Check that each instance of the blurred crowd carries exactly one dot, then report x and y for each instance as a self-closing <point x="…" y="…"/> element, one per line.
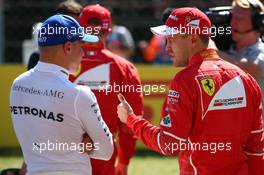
<point x="107" y="59"/>
<point x="130" y="24"/>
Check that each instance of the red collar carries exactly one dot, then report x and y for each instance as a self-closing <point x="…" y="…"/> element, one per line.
<point x="206" y="54"/>
<point x="90" y="53"/>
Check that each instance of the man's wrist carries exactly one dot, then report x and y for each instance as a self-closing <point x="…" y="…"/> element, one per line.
<point x="122" y="162"/>
<point x="130" y="118"/>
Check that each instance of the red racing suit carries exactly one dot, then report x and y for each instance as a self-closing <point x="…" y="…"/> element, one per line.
<point x="211" y="118"/>
<point x="107" y="74"/>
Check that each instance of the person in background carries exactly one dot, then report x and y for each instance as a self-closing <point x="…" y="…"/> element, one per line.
<point x="247" y="52"/>
<point x="67" y="7"/>
<point x="154" y="51"/>
<point x="106" y="73"/>
<point x="121" y="42"/>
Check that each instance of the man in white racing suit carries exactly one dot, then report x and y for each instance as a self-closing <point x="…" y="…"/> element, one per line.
<point x="58" y="124"/>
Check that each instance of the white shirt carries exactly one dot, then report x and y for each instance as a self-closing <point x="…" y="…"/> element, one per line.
<point x="50" y="114"/>
<point x="253" y="53"/>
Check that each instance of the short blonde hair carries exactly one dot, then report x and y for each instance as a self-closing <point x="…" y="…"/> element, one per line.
<point x="246" y="4"/>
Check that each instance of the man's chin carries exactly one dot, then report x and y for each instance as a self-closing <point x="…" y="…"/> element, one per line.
<point x="176" y="63"/>
<point x="235" y="37"/>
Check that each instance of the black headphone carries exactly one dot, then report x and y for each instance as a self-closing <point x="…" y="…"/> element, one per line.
<point x="257" y="16"/>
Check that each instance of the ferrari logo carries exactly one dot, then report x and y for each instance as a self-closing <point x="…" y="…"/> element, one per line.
<point x="208" y="86"/>
<point x="187" y="20"/>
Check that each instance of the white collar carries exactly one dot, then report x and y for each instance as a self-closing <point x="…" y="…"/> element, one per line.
<point x="53" y="68"/>
<point x="253" y="47"/>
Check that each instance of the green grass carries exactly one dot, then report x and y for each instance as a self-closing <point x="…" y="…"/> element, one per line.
<point x="153" y="166"/>
<point x="143" y="163"/>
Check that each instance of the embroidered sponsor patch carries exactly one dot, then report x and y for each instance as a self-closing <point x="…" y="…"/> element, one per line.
<point x="97" y="78"/>
<point x="228" y="101"/>
<point x="173" y="17"/>
<point x="194" y="23"/>
<point x="166" y="121"/>
<point x="174" y="94"/>
<point x="187" y="20"/>
<point x="230" y="96"/>
<point x="172" y="100"/>
<point x="167" y="109"/>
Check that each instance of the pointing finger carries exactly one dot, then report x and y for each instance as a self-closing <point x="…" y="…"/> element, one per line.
<point x="121" y="98"/>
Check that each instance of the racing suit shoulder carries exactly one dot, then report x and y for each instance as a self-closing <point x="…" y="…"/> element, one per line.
<point x="120" y="61"/>
<point x="186" y="76"/>
<point x="22" y="77"/>
<point x="86" y="92"/>
<point x="128" y="75"/>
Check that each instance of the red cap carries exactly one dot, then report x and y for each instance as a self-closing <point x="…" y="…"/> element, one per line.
<point x="184" y="21"/>
<point x="98" y="12"/>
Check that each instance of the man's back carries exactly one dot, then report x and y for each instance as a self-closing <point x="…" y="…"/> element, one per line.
<point x="107" y="74"/>
<point x="48" y="122"/>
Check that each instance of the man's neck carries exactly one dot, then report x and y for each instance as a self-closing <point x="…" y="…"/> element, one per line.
<point x="246" y="43"/>
<point x="196" y="50"/>
<point x="55" y="61"/>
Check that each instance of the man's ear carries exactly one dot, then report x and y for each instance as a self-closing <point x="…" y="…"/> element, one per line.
<point x="195" y="39"/>
<point x="67" y="47"/>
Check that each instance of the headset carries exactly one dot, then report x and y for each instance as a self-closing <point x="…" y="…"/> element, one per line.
<point x="257" y="16"/>
<point x="221" y="16"/>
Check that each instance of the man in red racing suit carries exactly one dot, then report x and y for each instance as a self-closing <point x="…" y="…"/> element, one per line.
<point x="212" y="115"/>
<point x="107" y="74"/>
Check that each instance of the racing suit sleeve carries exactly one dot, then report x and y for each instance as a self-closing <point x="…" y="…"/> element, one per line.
<point x="175" y="123"/>
<point x="126" y="144"/>
<point x="254" y="148"/>
<point x="88" y="112"/>
<point x="126" y="138"/>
